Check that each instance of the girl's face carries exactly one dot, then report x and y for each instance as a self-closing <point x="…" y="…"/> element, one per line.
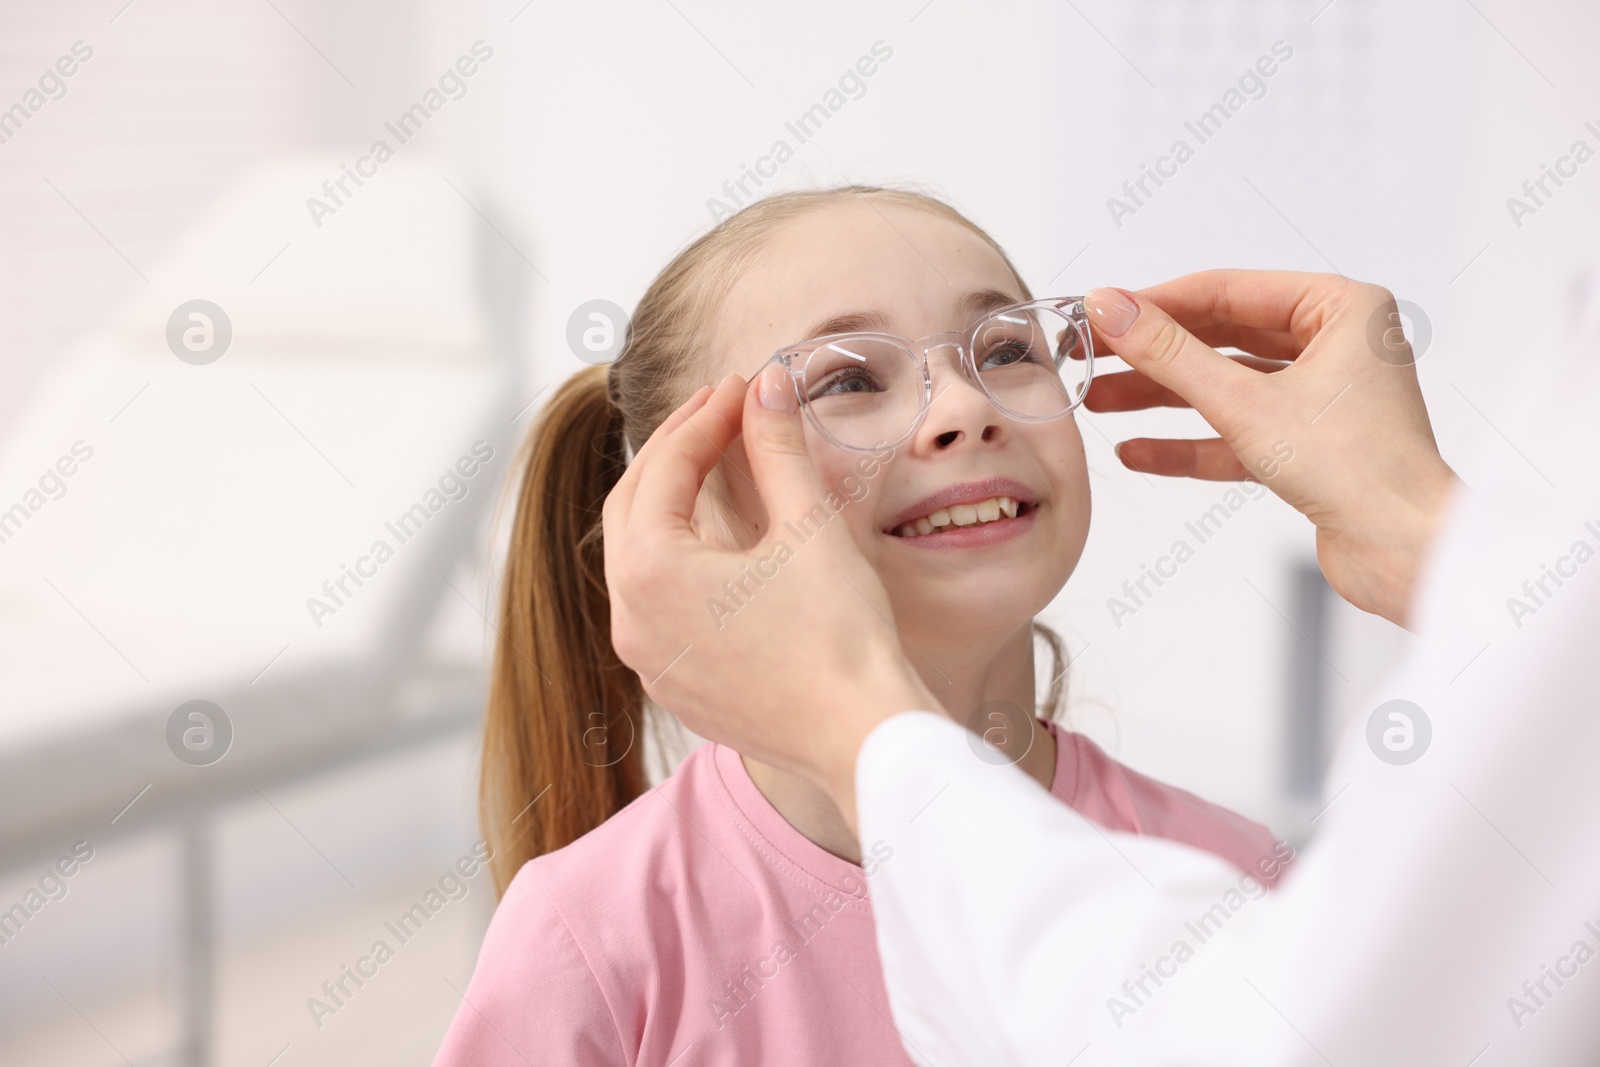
<point x="918" y="273"/>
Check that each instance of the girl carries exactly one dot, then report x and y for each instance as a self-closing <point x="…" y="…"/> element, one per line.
<point x="723" y="916"/>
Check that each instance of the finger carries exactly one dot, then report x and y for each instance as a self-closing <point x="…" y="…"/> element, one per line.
<point x="620" y="500"/>
<point x="1151" y="342"/>
<point x="1283" y="300"/>
<point x="673" y="421"/>
<point x="1268" y="344"/>
<point x="1209" y="460"/>
<point x="1131" y="391"/>
<point x="775" y="442"/>
<point x="669" y="484"/>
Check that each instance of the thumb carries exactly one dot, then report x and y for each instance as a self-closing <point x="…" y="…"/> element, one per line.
<point x="1152" y="343"/>
<point x="775" y="443"/>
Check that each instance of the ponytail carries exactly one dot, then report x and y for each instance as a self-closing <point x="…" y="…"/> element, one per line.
<point x="562" y="745"/>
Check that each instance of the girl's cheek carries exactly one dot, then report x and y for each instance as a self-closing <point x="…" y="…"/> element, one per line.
<point x="1064" y="455"/>
<point x="855" y="497"/>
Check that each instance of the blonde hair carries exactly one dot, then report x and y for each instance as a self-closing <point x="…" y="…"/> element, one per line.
<point x="563" y="732"/>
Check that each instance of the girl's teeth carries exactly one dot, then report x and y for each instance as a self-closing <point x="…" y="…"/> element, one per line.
<point x="961" y="515"/>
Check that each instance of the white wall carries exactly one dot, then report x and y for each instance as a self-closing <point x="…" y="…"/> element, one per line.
<point x="1385" y="148"/>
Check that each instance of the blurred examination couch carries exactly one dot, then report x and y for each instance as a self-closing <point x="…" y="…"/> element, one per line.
<point x="208" y="505"/>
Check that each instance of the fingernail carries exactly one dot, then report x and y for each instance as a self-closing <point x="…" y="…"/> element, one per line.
<point x="1111" y="310"/>
<point x="775" y="391"/>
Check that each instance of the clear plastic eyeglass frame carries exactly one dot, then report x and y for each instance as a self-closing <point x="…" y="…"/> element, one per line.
<point x="794" y="357"/>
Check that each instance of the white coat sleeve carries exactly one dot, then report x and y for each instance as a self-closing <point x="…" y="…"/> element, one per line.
<point x="1448" y="910"/>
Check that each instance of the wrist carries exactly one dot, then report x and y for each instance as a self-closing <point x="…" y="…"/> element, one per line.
<point x="899" y="690"/>
<point x="1427" y="520"/>
<point x="1385" y="564"/>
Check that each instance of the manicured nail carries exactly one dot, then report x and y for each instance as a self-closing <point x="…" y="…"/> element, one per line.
<point x="775" y="391"/>
<point x="1111" y="310"/>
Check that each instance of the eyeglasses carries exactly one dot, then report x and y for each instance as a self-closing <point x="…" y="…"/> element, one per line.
<point x="866" y="392"/>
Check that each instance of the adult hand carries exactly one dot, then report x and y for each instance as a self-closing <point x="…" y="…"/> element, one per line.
<point x="1330" y="382"/>
<point x="819" y="662"/>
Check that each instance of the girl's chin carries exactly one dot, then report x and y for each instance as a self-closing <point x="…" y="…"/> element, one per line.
<point x="936" y="616"/>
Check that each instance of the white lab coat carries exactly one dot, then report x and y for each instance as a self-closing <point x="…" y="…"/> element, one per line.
<point x="1448" y="910"/>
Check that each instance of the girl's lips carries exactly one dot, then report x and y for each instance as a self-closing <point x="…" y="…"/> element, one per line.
<point x="964" y="493"/>
<point x="977" y="535"/>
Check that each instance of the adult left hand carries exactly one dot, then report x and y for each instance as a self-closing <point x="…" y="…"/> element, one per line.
<point x="1365" y="468"/>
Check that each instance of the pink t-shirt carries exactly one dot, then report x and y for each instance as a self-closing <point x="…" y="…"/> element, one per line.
<point x="697" y="927"/>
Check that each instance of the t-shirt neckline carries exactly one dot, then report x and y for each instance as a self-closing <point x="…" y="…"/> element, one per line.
<point x="782" y="844"/>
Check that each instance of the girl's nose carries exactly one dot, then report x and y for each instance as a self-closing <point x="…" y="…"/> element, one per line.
<point x="958" y="407"/>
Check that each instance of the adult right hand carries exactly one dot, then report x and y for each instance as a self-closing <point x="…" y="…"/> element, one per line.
<point x="812" y="661"/>
<point x="1329" y="377"/>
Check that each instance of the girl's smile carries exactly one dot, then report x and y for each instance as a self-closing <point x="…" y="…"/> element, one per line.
<point x="976" y="535"/>
<point x="968" y="515"/>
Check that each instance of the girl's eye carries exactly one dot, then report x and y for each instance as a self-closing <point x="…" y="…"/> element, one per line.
<point x="844" y="382"/>
<point x="1006" y="354"/>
